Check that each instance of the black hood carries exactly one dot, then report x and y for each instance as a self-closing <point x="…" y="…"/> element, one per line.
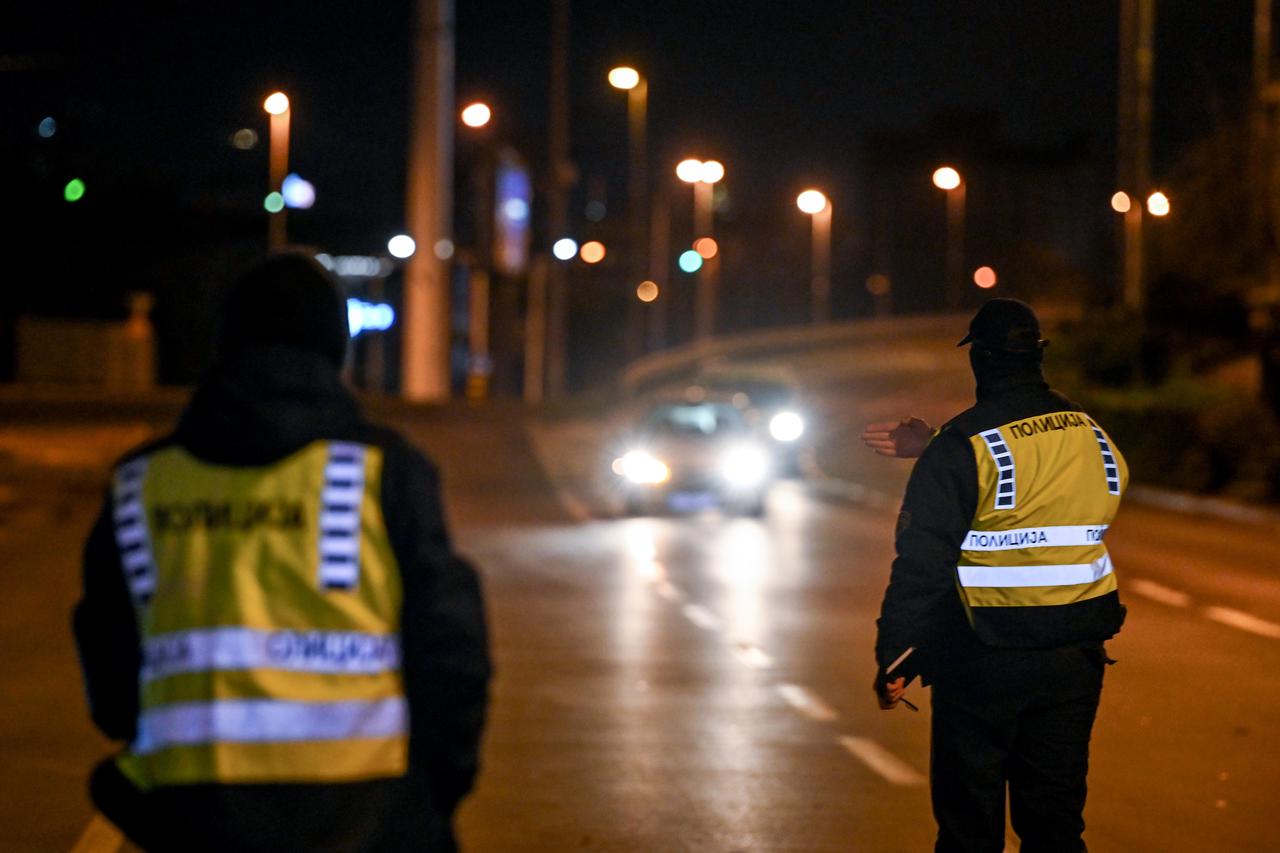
<point x="262" y="403"/>
<point x="1003" y="373"/>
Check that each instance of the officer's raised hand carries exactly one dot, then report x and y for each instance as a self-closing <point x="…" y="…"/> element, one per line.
<point x="905" y="439"/>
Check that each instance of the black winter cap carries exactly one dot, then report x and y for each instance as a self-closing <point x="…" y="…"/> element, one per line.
<point x="1005" y="325"/>
<point x="287" y="299"/>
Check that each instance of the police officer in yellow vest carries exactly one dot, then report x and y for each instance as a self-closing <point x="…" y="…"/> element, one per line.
<point x="273" y="619"/>
<point x="1002" y="593"/>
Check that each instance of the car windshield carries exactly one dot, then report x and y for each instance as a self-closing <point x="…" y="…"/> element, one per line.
<point x="766" y="393"/>
<point x="695" y="419"/>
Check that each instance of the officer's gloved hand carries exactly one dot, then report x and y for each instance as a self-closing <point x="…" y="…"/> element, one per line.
<point x="888" y="693"/>
<point x="904" y="439"/>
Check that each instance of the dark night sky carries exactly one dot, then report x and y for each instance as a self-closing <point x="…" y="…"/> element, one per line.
<point x="785" y="94"/>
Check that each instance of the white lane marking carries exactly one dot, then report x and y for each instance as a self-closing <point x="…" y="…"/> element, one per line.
<point x="98" y="837"/>
<point x="669" y="592"/>
<point x="753" y="656"/>
<point x="1158" y="592"/>
<point x="807" y="702"/>
<point x="892" y="769"/>
<point x="1243" y="621"/>
<point x="702" y="617"/>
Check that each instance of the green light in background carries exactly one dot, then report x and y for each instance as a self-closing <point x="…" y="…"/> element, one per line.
<point x="690" y="261"/>
<point x="74" y="190"/>
<point x="274" y="202"/>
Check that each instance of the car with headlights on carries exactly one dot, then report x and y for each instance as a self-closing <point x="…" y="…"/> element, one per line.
<point x="769" y="400"/>
<point x="688" y="455"/>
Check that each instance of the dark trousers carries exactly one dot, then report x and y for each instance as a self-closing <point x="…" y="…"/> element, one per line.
<point x="1015" y="720"/>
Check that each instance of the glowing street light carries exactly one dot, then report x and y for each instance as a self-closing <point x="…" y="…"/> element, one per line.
<point x="1158" y="204"/>
<point x="592" y="252"/>
<point x="277" y="103"/>
<point x="624" y="77"/>
<point x="704" y="175"/>
<point x="815" y="203"/>
<point x="476" y="114"/>
<point x="689" y="171"/>
<point x="278" y="107"/>
<point x="566" y="248"/>
<point x="1120" y="202"/>
<point x="712" y="171"/>
<point x="948" y="180"/>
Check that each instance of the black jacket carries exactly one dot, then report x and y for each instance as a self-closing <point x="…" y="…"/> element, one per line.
<point x="257" y="407"/>
<point x="922" y="607"/>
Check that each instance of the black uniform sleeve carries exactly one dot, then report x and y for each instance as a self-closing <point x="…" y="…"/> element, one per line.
<point x="443" y="631"/>
<point x="106" y="634"/>
<point x="937" y="510"/>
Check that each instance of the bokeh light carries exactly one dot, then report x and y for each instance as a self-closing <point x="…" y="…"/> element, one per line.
<point x="273" y="203"/>
<point x="244" y="139"/>
<point x="47" y="127"/>
<point x="592" y="252"/>
<point x="878" y="284"/>
<point x="647" y="291"/>
<point x="402" y="246"/>
<point x="476" y="115"/>
<point x="276" y="103"/>
<point x="690" y="261"/>
<point x="1121" y="203"/>
<point x="712" y="171"/>
<point x="811" y="201"/>
<point x="443" y="249"/>
<point x="74" y="190"/>
<point x="707" y="247"/>
<point x="298" y="192"/>
<point x="1158" y="204"/>
<point x="565" y="248"/>
<point x="946" y="178"/>
<point x="689" y="171"/>
<point x="984" y="277"/>
<point x="624" y="77"/>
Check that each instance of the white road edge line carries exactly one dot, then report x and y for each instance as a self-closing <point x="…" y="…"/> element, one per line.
<point x="1158" y="592"/>
<point x="892" y="769"/>
<point x="98" y="837"/>
<point x="807" y="703"/>
<point x="1243" y="621"/>
<point x="701" y="616"/>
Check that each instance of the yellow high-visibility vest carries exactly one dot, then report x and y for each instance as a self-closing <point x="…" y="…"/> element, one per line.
<point x="268" y="605"/>
<point x="1048" y="488"/>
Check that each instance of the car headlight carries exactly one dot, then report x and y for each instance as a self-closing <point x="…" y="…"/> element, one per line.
<point x="786" y="426"/>
<point x="745" y="466"/>
<point x="641" y="468"/>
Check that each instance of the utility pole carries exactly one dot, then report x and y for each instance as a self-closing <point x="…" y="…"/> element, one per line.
<point x="557" y="198"/>
<point x="1137" y="70"/>
<point x="428" y="207"/>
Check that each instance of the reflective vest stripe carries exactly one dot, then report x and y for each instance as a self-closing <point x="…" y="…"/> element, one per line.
<point x="340" y="516"/>
<point x="1006" y="486"/>
<point x="1109" y="466"/>
<point x="1034" y="537"/>
<point x="131" y="530"/>
<point x="1011" y="576"/>
<point x="267" y="721"/>
<point x="235" y="648"/>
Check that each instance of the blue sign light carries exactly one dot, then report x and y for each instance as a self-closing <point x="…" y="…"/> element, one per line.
<point x="369" y="316"/>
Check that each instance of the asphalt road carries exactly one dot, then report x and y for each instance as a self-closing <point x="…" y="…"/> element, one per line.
<point x="703" y="683"/>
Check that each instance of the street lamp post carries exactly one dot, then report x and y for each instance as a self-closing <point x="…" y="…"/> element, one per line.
<point x="278" y="108"/>
<point x="818" y="206"/>
<point x="948" y="179"/>
<point x="704" y="175"/>
<point x="637" y="88"/>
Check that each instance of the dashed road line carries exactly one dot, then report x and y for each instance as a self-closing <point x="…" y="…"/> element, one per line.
<point x="1158" y="592"/>
<point x="1243" y="621"/>
<point x="98" y="837"/>
<point x="884" y="763"/>
<point x="701" y="616"/>
<point x="807" y="702"/>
